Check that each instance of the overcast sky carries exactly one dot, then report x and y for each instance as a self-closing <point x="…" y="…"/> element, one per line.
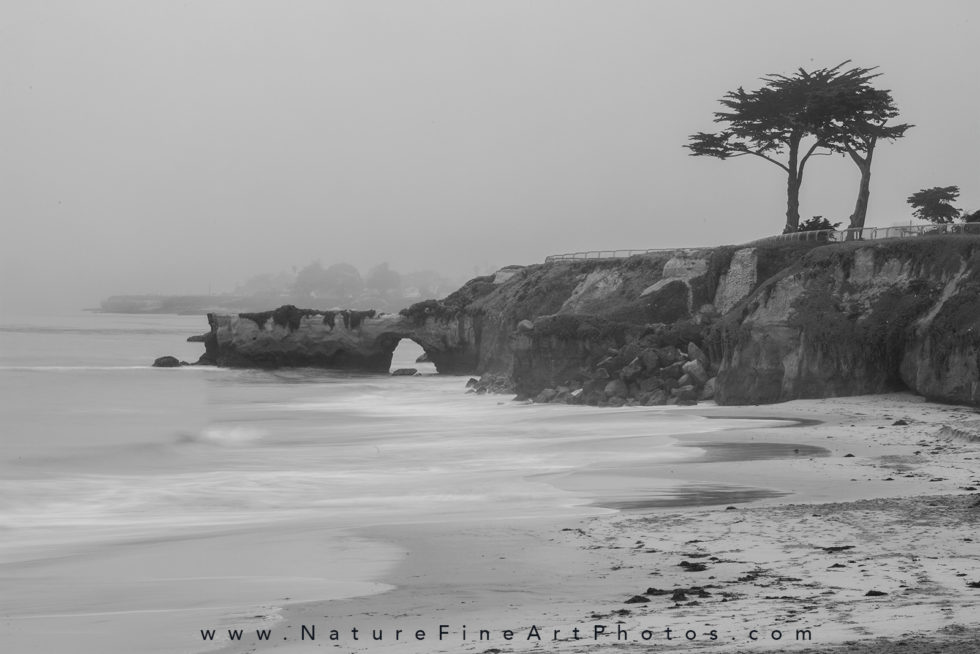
<point x="175" y="146"/>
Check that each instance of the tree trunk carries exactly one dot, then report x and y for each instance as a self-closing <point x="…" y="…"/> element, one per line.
<point x="864" y="188"/>
<point x="864" y="194"/>
<point x="792" y="205"/>
<point x="793" y="183"/>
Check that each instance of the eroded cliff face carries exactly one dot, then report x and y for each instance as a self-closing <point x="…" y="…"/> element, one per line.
<point x="859" y="318"/>
<point x="766" y="324"/>
<point x="346" y="340"/>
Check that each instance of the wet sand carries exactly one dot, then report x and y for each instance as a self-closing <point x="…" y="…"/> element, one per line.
<point x="788" y="539"/>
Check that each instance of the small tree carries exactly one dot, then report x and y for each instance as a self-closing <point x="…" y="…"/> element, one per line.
<point x="935" y="204"/>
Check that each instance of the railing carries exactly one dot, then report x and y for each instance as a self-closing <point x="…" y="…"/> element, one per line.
<point x="872" y="233"/>
<point x="823" y="235"/>
<point x="602" y="254"/>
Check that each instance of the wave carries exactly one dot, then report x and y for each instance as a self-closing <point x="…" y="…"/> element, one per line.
<point x="237" y="435"/>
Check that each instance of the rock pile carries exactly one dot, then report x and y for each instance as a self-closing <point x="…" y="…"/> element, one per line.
<point x="634" y="375"/>
<point x="490" y="383"/>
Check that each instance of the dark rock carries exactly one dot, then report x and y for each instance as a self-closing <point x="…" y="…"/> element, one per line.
<point x="422" y="358"/>
<point x="631" y="371"/>
<point x="694" y="353"/>
<point x="679" y="595"/>
<point x="649" y="384"/>
<point x="656" y="398"/>
<point x="848" y="456"/>
<point x="650" y="359"/>
<point x="404" y="372"/>
<point x="696" y="371"/>
<point x="899" y="423"/>
<point x="685" y="393"/>
<point x="472" y="382"/>
<point x="669" y="355"/>
<point x="616" y="388"/>
<point x="673" y="371"/>
<point x="637" y="599"/>
<point x="656" y="591"/>
<point x="547" y="395"/>
<point x="197" y="338"/>
<point x="166" y="362"/>
<point x="693" y="567"/>
<point x="875" y="593"/>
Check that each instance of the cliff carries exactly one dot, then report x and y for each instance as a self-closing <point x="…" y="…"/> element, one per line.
<point x="743" y="324"/>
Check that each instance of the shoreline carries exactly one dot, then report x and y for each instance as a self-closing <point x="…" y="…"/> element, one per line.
<point x="894" y="515"/>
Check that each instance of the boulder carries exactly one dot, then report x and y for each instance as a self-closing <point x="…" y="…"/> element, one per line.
<point x="650" y="384"/>
<point x="656" y="398"/>
<point x="632" y="370"/>
<point x="694" y="353"/>
<point x="685" y="394"/>
<point x="616" y="388"/>
<point x="404" y="372"/>
<point x="422" y="358"/>
<point x="673" y="371"/>
<point x="650" y="359"/>
<point x="166" y="362"/>
<point x="696" y="370"/>
<point x="708" y="392"/>
<point x="668" y="355"/>
<point x="547" y="395"/>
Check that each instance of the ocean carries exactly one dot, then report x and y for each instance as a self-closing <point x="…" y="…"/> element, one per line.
<point x="142" y="500"/>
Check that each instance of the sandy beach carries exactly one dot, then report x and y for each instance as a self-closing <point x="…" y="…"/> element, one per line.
<point x="851" y="526"/>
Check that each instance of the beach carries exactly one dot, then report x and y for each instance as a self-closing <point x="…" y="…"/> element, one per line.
<point x="208" y="509"/>
<point x="867" y="536"/>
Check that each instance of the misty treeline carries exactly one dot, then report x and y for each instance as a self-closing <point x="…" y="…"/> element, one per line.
<point x="343" y="285"/>
<point x="792" y="118"/>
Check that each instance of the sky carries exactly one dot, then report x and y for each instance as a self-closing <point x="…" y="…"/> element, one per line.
<point x="181" y="147"/>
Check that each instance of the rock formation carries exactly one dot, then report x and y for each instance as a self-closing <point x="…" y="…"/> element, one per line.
<point x="746" y="325"/>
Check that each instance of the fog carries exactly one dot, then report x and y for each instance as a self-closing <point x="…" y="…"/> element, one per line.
<point x="182" y="147"/>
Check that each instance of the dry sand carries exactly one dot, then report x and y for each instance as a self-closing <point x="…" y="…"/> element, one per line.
<point x="898" y="519"/>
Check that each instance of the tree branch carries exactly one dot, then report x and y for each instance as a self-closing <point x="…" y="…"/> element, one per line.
<point x="806" y="157"/>
<point x="769" y="159"/>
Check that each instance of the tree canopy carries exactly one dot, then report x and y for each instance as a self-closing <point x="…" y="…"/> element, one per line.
<point x="852" y="116"/>
<point x="792" y="118"/>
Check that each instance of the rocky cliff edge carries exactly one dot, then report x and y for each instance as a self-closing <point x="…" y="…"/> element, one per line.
<point x="762" y="324"/>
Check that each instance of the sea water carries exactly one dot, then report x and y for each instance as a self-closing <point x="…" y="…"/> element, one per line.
<point x="127" y="490"/>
